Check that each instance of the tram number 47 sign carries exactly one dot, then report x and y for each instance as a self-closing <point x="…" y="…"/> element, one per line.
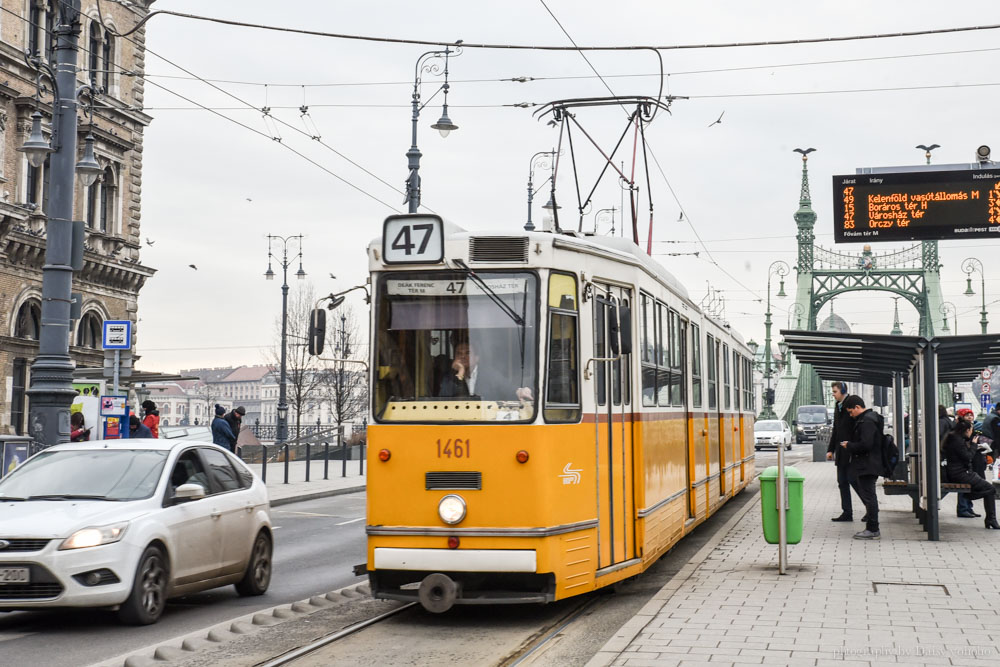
<point x="413" y="239"/>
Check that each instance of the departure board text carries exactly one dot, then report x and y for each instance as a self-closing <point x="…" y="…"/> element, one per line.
<point x="904" y="206"/>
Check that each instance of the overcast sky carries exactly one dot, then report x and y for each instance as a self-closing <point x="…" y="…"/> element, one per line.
<point x="213" y="190"/>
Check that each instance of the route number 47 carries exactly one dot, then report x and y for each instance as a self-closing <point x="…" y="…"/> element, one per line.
<point x="413" y="239"/>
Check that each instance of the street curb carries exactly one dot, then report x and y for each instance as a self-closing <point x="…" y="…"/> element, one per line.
<point x="317" y="494"/>
<point x="186" y="646"/>
<point x="631" y="629"/>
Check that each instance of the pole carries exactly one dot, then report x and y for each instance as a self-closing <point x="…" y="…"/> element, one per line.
<point x="51" y="392"/>
<point x="982" y="291"/>
<point x="118" y="361"/>
<point x="413" y="155"/>
<point x="282" y="433"/>
<point x="782" y="509"/>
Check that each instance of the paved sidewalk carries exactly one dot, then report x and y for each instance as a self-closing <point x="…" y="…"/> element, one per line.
<point x="899" y="600"/>
<point x="298" y="489"/>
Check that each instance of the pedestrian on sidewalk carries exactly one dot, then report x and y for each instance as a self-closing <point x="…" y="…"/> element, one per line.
<point x="136" y="429"/>
<point x="843" y="429"/>
<point x="958" y="449"/>
<point x="222" y="435"/>
<point x="235" y="420"/>
<point x="865" y="449"/>
<point x="964" y="507"/>
<point x="151" y="417"/>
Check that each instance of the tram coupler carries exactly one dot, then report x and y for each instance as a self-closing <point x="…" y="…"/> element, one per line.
<point x="438" y="592"/>
<point x="361" y="570"/>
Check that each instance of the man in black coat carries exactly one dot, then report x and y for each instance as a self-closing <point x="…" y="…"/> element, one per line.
<point x="865" y="449"/>
<point x="843" y="429"/>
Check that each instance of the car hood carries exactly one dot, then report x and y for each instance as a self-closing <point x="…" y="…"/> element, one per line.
<point x="61" y="518"/>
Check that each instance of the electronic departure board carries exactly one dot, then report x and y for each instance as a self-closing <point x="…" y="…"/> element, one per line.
<point x="913" y="205"/>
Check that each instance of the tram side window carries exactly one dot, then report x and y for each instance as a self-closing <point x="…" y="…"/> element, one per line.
<point x="562" y="393"/>
<point x="663" y="341"/>
<point x="648" y="351"/>
<point x="696" y="365"/>
<point x="677" y="341"/>
<point x="737" y="385"/>
<point x="623" y="373"/>
<point x="747" y="385"/>
<point x="713" y="378"/>
<point x="727" y="403"/>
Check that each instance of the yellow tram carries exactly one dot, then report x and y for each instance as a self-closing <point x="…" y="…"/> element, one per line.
<point x="551" y="412"/>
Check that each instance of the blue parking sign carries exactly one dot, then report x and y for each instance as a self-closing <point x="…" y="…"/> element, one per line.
<point x="984" y="401"/>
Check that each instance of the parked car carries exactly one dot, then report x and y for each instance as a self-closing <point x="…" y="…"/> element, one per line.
<point x="772" y="433"/>
<point x="128" y="524"/>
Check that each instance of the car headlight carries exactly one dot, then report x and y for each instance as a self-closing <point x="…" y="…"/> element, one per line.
<point x="799" y="429"/>
<point x="451" y="509"/>
<point x="94" y="536"/>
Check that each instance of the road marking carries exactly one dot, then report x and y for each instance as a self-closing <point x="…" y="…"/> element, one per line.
<point x="344" y="523"/>
<point x="275" y="527"/>
<point x="330" y="516"/>
<point x="10" y="636"/>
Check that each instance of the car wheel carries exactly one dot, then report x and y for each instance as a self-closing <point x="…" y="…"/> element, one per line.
<point x="148" y="598"/>
<point x="788" y="447"/>
<point x="258" y="575"/>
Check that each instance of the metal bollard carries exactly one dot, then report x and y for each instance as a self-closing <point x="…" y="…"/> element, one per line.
<point x="263" y="464"/>
<point x="326" y="460"/>
<point x="287" y="456"/>
<point x="343" y="456"/>
<point x="361" y="461"/>
<point x="307" y="461"/>
<point x="239" y="453"/>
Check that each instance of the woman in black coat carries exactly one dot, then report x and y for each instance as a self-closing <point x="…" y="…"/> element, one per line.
<point x="958" y="450"/>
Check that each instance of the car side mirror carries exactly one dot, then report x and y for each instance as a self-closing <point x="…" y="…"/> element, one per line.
<point x="795" y="422"/>
<point x="317" y="331"/>
<point x="185" y="493"/>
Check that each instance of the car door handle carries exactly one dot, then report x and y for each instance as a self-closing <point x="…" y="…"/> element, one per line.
<point x="249" y="507"/>
<point x="215" y="514"/>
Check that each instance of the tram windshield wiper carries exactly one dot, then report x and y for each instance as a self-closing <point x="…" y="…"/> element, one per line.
<point x="501" y="304"/>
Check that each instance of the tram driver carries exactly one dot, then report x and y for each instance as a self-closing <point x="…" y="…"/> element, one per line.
<point x="464" y="379"/>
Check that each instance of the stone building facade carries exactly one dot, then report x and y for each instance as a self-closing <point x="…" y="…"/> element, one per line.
<point x="113" y="274"/>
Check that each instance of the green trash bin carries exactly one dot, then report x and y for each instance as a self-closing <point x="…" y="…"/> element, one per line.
<point x="769" y="504"/>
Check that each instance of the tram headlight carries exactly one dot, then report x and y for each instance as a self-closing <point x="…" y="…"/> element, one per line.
<point x="451" y="509"/>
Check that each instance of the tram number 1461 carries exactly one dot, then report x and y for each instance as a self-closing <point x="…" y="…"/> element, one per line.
<point x="457" y="448"/>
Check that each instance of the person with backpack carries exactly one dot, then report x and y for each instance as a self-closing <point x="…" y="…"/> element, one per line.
<point x="843" y="428"/>
<point x="866" y="462"/>
<point x="958" y="449"/>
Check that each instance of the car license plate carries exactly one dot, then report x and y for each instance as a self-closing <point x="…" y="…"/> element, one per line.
<point x="14" y="575"/>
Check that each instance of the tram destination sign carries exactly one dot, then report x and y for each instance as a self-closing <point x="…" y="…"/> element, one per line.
<point x="902" y="206"/>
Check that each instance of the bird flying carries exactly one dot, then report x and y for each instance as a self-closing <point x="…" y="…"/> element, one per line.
<point x="718" y="121"/>
<point x="149" y="241"/>
<point x="803" y="152"/>
<point x="193" y="267"/>
<point x="928" y="148"/>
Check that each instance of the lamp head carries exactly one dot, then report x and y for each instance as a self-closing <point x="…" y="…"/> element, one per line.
<point x="444" y="124"/>
<point x="983" y="153"/>
<point x="88" y="167"/>
<point x="270" y="274"/>
<point x="37" y="146"/>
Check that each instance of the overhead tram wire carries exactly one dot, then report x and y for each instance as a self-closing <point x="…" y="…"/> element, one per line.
<point x="251" y="106"/>
<point x="540" y="47"/>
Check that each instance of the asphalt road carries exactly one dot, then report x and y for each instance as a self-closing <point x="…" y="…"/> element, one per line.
<point x="317" y="545"/>
<point x="769" y="457"/>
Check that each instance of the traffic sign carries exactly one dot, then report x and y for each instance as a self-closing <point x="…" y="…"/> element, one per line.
<point x="117" y="335"/>
<point x="987" y="374"/>
<point x="984" y="401"/>
<point x="986" y="388"/>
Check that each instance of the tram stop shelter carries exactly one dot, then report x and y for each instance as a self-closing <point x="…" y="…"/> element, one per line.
<point x="903" y="361"/>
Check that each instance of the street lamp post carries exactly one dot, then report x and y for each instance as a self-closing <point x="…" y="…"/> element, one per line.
<point x="444" y="124"/>
<point x="948" y="308"/>
<point x="970" y="266"/>
<point x="282" y="430"/>
<point x="51" y="391"/>
<point x="778" y="268"/>
<point x="539" y="160"/>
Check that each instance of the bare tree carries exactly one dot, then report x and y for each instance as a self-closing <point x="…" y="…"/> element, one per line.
<point x="305" y="374"/>
<point x="346" y="388"/>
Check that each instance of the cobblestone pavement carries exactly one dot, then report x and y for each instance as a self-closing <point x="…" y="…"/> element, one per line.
<point x="900" y="600"/>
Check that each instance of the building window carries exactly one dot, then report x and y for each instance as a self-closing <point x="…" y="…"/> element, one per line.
<point x="95" y="50"/>
<point x="108" y="201"/>
<point x="28" y="323"/>
<point x="18" y="395"/>
<point x="108" y="51"/>
<point x="562" y="392"/>
<point x="93" y="202"/>
<point x="88" y="332"/>
<point x="37" y="185"/>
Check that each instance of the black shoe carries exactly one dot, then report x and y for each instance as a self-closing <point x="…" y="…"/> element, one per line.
<point x="967" y="515"/>
<point x="992" y="523"/>
<point x="975" y="515"/>
<point x="843" y="517"/>
<point x="864" y="518"/>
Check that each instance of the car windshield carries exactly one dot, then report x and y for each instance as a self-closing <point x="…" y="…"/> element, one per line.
<point x="767" y="426"/>
<point x="812" y="416"/>
<point x="93" y="474"/>
<point x="453" y="347"/>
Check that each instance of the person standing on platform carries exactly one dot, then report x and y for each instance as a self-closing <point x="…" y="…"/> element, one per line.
<point x="843" y="429"/>
<point x="865" y="449"/>
<point x="222" y="434"/>
<point x="964" y="507"/>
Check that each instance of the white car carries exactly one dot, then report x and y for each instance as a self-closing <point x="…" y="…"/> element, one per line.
<point x="772" y="433"/>
<point x="128" y="524"/>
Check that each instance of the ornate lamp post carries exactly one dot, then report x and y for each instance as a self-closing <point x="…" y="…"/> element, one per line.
<point x="540" y="160"/>
<point x="948" y="308"/>
<point x="444" y="124"/>
<point x="51" y="389"/>
<point x="927" y="150"/>
<point x="284" y="263"/>
<point x="778" y="268"/>
<point x="970" y="266"/>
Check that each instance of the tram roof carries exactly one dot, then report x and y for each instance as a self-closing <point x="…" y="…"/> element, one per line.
<point x="873" y="358"/>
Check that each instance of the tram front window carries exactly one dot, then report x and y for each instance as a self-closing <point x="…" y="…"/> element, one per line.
<point x="451" y="348"/>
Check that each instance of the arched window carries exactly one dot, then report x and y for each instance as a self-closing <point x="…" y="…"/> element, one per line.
<point x="108" y="201"/>
<point x="109" y="61"/>
<point x="29" y="320"/>
<point x="88" y="331"/>
<point x="93" y="202"/>
<point x="95" y="46"/>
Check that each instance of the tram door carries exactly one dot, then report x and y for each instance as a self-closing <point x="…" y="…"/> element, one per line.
<point x="612" y="386"/>
<point x="725" y="427"/>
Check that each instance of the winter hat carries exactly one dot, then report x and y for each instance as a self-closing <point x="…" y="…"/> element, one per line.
<point x="241" y="411"/>
<point x="219" y="410"/>
<point x="965" y="411"/>
<point x="148" y="405"/>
